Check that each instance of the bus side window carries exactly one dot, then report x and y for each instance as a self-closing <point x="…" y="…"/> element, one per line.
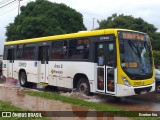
<point x="111" y="54"/>
<point x="19" y="53"/>
<point x="29" y="52"/>
<point x="79" y="49"/>
<point x="59" y="50"/>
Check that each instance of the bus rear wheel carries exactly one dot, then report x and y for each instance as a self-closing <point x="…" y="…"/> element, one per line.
<point x="158" y="87"/>
<point x="23" y="79"/>
<point x="83" y="86"/>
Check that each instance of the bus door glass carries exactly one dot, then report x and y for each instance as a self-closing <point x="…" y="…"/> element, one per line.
<point x="43" y="57"/>
<point x="106" y="62"/>
<point x="10" y="58"/>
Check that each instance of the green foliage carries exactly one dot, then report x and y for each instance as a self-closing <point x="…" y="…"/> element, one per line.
<point x="156" y="55"/>
<point x="4" y="106"/>
<point x="155" y="40"/>
<point x="129" y="22"/>
<point x="44" y="18"/>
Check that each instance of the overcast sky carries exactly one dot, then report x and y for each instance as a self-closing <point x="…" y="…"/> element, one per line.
<point x="98" y="9"/>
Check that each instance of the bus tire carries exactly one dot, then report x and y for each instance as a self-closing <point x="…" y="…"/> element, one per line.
<point x="23" y="79"/>
<point x="158" y="88"/>
<point x="83" y="86"/>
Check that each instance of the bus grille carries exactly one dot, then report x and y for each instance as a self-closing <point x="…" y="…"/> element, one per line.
<point x="140" y="90"/>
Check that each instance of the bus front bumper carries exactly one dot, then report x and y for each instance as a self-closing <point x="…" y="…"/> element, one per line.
<point x="123" y="90"/>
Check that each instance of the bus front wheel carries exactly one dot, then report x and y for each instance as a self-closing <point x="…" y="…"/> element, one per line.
<point x="83" y="86"/>
<point x="23" y="79"/>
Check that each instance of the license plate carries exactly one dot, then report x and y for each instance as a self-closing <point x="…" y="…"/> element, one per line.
<point x="143" y="92"/>
<point x="43" y="84"/>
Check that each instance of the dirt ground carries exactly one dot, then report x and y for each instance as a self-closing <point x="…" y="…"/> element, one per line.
<point x="11" y="92"/>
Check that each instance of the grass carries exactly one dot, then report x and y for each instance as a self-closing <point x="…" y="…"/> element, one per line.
<point x="7" y="107"/>
<point x="75" y="101"/>
<point x="1" y="81"/>
<point x="92" y="105"/>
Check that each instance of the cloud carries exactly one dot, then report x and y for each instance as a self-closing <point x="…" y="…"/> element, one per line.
<point x="101" y="9"/>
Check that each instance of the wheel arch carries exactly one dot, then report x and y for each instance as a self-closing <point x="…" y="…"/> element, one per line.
<point x="77" y="77"/>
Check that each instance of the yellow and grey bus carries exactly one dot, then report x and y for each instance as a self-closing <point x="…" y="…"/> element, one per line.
<point x="115" y="62"/>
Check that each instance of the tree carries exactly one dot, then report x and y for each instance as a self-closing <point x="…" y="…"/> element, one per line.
<point x="129" y="22"/>
<point x="44" y="18"/>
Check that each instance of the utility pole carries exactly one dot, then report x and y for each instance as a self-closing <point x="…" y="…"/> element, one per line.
<point x="19" y="6"/>
<point x="93" y="23"/>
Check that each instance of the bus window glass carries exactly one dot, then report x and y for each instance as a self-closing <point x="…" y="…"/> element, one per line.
<point x="79" y="49"/>
<point x="136" y="59"/>
<point x="29" y="52"/>
<point x="10" y="54"/>
<point x="111" y="56"/>
<point x="5" y="53"/>
<point x="100" y="55"/>
<point x="59" y="50"/>
<point x="19" y="52"/>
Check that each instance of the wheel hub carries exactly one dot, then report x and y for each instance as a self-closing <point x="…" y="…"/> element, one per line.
<point x="83" y="88"/>
<point x="22" y="80"/>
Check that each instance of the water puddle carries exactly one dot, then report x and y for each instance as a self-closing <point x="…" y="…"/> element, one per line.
<point x="15" y="95"/>
<point x="11" y="92"/>
<point x="148" y="102"/>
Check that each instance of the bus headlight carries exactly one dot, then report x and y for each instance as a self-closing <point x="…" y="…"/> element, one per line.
<point x="126" y="82"/>
<point x="154" y="81"/>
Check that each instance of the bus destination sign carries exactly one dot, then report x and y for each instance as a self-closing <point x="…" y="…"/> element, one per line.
<point x="132" y="35"/>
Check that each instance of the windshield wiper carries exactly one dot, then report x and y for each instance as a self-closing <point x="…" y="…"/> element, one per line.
<point x="138" y="53"/>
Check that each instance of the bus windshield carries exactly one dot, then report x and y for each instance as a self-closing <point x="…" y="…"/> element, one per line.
<point x="136" y="58"/>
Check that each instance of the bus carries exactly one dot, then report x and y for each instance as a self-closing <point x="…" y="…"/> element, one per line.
<point x="116" y="62"/>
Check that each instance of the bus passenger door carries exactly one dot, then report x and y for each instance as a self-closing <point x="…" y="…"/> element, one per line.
<point x="43" y="65"/>
<point x="10" y="58"/>
<point x="106" y="62"/>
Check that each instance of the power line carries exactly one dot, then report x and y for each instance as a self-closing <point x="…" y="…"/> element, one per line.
<point x="13" y="4"/>
<point x="6" y="9"/>
<point x="12" y="9"/>
<point x="4" y="1"/>
<point x="7" y="3"/>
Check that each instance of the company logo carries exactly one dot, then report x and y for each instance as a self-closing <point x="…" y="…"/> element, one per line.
<point x="6" y="114"/>
<point x="21" y="114"/>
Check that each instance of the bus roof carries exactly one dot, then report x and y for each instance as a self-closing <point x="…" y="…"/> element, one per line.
<point x="67" y="36"/>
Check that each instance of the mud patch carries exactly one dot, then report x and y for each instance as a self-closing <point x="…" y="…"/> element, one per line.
<point x="13" y="93"/>
<point x="150" y="102"/>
